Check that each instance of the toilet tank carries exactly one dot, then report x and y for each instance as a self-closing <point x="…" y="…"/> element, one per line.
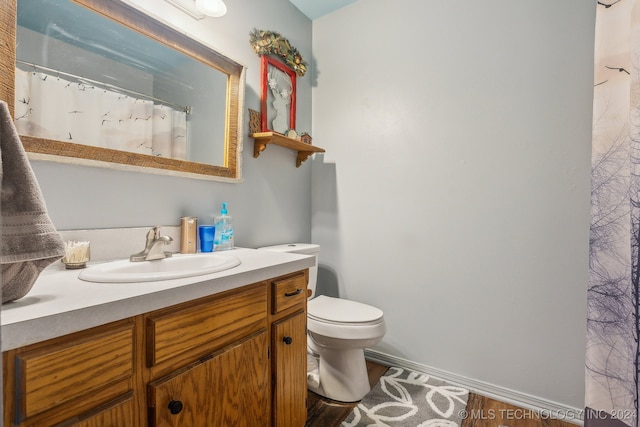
<point x="301" y="248"/>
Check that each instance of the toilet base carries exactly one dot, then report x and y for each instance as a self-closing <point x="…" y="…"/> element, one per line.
<point x="343" y="374"/>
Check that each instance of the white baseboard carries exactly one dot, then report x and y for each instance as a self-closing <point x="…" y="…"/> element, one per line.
<point x="546" y="408"/>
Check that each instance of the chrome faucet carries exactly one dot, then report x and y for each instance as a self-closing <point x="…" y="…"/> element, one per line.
<point x="154" y="248"/>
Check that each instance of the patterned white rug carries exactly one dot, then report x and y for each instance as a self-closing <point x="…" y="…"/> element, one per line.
<point x="410" y="399"/>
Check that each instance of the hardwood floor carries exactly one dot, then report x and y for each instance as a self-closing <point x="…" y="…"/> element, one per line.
<point x="482" y="411"/>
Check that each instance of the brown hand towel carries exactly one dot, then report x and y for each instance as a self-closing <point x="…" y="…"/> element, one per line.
<point x="29" y="242"/>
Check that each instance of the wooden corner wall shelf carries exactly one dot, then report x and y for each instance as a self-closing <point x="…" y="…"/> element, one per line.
<point x="262" y="139"/>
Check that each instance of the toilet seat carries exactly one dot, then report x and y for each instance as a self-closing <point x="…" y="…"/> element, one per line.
<point x="344" y="320"/>
<point x="341" y="311"/>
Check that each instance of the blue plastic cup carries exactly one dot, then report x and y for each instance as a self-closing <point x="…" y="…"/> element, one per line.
<point x="206" y="233"/>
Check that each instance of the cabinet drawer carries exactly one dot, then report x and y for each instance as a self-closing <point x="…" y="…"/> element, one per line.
<point x="82" y="368"/>
<point x="198" y="329"/>
<point x="289" y="292"/>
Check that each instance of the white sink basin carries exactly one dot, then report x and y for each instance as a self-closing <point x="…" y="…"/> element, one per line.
<point x="175" y="267"/>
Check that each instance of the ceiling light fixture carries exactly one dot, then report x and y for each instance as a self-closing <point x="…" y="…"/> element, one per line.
<point x="199" y="9"/>
<point x="213" y="8"/>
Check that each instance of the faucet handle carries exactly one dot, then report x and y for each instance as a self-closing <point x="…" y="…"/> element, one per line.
<point x="153" y="234"/>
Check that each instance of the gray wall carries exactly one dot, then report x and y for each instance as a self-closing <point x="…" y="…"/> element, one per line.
<point x="454" y="193"/>
<point x="273" y="203"/>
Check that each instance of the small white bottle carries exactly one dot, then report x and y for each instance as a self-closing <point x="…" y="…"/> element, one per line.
<point x="223" y="240"/>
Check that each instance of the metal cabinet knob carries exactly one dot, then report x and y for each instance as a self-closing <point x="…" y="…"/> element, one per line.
<point x="287" y="340"/>
<point x="175" y="407"/>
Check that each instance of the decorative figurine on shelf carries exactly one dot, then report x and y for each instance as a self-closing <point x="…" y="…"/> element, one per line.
<point x="291" y="133"/>
<point x="306" y="138"/>
<point x="254" y="121"/>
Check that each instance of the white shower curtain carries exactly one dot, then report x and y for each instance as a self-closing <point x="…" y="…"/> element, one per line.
<point x="51" y="107"/>
<point x="613" y="323"/>
<point x="169" y="132"/>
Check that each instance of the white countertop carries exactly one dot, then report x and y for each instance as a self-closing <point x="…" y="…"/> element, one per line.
<point x="59" y="303"/>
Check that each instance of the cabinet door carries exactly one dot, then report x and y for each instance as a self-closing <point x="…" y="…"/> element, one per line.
<point x="229" y="389"/>
<point x="290" y="371"/>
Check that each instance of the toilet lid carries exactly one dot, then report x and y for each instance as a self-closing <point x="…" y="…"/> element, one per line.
<point x="337" y="310"/>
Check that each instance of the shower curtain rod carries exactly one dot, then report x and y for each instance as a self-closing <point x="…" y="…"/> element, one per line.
<point x="178" y="107"/>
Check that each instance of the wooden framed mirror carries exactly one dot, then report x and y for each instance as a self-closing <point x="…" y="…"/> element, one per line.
<point x="119" y="53"/>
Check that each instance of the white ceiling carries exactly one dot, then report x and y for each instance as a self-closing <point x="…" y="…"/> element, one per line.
<point x="317" y="8"/>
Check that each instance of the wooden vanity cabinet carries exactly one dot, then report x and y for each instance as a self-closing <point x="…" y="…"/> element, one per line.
<point x="237" y="358"/>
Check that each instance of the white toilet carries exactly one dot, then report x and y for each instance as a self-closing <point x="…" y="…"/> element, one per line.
<point x="338" y="332"/>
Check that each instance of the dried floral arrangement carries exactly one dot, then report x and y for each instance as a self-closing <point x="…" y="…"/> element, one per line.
<point x="272" y="43"/>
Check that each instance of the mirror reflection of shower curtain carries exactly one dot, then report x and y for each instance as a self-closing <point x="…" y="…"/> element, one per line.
<point x="51" y="107"/>
<point x="169" y="132"/>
